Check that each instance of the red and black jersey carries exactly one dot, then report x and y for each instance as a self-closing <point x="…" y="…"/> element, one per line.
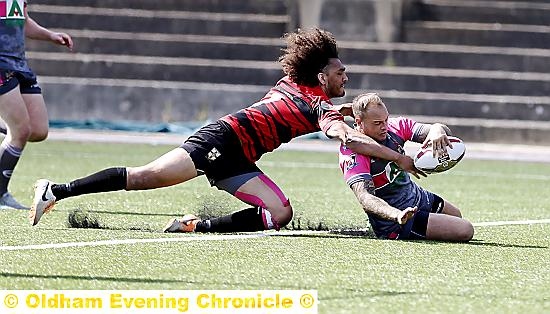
<point x="288" y="110"/>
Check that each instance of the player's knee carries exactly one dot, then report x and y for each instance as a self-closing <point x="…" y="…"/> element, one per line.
<point x="465" y="232"/>
<point x="286" y="216"/>
<point x="21" y="133"/>
<point x="451" y="210"/>
<point x="281" y="215"/>
<point x="137" y="178"/>
<point x="38" y="135"/>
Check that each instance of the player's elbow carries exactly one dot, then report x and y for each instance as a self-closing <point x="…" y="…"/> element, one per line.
<point x="444" y="128"/>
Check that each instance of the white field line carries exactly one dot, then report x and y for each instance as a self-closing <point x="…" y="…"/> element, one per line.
<point x="220" y="237"/>
<point x="506" y="223"/>
<point x="539" y="177"/>
<point x="130" y="241"/>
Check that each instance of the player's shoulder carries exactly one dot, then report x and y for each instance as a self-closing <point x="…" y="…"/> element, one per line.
<point x="344" y="150"/>
<point x="400" y="120"/>
<point x="400" y="123"/>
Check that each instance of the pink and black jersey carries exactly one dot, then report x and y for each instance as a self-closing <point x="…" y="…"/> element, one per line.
<point x="391" y="183"/>
<point x="288" y="110"/>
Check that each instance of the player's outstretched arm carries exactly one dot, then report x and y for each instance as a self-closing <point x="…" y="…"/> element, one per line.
<point x="373" y="205"/>
<point x="34" y="31"/>
<point x="362" y="144"/>
<point x="345" y="109"/>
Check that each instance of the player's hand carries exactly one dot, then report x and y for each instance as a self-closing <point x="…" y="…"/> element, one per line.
<point x="439" y="144"/>
<point x="62" y="39"/>
<point x="406" y="214"/>
<point x="437" y="138"/>
<point x="406" y="163"/>
<point x="344" y="109"/>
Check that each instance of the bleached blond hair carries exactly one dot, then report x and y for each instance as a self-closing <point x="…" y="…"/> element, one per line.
<point x="362" y="102"/>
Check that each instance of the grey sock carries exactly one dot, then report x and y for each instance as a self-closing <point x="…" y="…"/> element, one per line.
<point x="9" y="156"/>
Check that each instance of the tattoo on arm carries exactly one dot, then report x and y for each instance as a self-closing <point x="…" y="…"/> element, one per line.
<point x="364" y="191"/>
<point x="422" y="133"/>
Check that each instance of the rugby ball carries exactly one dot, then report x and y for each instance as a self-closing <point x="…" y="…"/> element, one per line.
<point x="425" y="161"/>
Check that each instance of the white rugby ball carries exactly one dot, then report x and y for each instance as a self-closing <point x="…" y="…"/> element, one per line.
<point x="425" y="161"/>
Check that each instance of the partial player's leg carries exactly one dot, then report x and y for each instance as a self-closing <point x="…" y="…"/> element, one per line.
<point x="448" y="228"/>
<point x="434" y="203"/>
<point x="447" y="224"/>
<point x="217" y="151"/>
<point x="451" y="209"/>
<point x="36" y="108"/>
<point x="172" y="168"/>
<point x="38" y="117"/>
<point x="14" y="113"/>
<point x="437" y="219"/>
<point x="271" y="209"/>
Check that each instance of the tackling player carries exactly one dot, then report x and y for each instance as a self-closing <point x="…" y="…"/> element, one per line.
<point x="226" y="151"/>
<point x="398" y="208"/>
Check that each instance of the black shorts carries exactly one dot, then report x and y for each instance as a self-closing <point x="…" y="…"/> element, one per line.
<point x="26" y="80"/>
<point x="217" y="152"/>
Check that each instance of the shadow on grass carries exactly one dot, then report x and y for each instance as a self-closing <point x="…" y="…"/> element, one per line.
<point x="360" y="293"/>
<point x="332" y="233"/>
<point x="478" y="242"/>
<point x="87" y="220"/>
<point x="355" y="293"/>
<point x="98" y="278"/>
<point x="368" y="234"/>
<point x="212" y="283"/>
<point x="129" y="213"/>
<point x="481" y="242"/>
<point x="319" y="236"/>
<point x="207" y="211"/>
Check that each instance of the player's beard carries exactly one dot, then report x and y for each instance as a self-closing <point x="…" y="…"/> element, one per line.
<point x="339" y="91"/>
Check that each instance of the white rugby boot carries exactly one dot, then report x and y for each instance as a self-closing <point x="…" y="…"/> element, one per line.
<point x="186" y="223"/>
<point x="43" y="201"/>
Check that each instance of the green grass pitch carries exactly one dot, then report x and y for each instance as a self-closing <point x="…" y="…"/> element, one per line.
<point x="505" y="269"/>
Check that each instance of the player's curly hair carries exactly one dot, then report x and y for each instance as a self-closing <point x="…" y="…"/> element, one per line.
<point x="307" y="53"/>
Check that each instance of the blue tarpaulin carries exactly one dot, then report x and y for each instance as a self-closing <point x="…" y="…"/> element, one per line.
<point x="185" y="128"/>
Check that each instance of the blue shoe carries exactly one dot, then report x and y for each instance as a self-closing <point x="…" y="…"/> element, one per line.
<point x="7" y="201"/>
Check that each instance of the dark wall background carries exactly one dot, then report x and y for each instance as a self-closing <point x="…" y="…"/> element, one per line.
<point x="480" y="66"/>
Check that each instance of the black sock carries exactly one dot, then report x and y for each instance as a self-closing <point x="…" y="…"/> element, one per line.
<point x="246" y="220"/>
<point x="9" y="156"/>
<point x="111" y="179"/>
